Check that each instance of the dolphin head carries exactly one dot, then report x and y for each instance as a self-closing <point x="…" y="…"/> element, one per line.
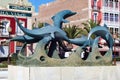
<point x="68" y="13"/>
<point x="60" y="17"/>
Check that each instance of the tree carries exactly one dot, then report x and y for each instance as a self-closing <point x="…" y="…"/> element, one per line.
<point x="39" y="25"/>
<point x="72" y="31"/>
<point x="89" y="25"/>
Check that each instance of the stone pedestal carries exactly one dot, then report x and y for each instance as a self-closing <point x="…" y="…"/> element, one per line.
<point x="64" y="73"/>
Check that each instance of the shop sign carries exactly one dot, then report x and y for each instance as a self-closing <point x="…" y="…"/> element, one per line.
<point x="3" y="12"/>
<point x="26" y="8"/>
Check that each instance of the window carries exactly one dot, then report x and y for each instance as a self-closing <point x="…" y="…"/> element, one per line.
<point x="111" y="17"/>
<point x="4" y="50"/>
<point x="111" y="3"/>
<point x="95" y="17"/>
<point x="116" y="17"/>
<point x="116" y="30"/>
<point x="106" y="3"/>
<point x="106" y="17"/>
<point x="116" y="3"/>
<point x="95" y="3"/>
<point x="6" y="25"/>
<point x="18" y="30"/>
<point x="111" y="30"/>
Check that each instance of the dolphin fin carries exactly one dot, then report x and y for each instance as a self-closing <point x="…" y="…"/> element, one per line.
<point x="52" y="17"/>
<point x="105" y="26"/>
<point x="52" y="35"/>
<point x="46" y="24"/>
<point x="65" y="21"/>
<point x="96" y="40"/>
<point x="87" y="43"/>
<point x="107" y="36"/>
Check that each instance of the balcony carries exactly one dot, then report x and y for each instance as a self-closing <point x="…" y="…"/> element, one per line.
<point x="95" y="8"/>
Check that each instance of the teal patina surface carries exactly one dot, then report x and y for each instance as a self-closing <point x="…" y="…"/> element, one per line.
<point x="52" y="35"/>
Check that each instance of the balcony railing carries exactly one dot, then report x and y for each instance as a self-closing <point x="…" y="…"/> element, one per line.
<point x="96" y="8"/>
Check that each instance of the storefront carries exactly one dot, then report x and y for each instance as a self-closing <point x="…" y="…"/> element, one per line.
<point x="9" y="27"/>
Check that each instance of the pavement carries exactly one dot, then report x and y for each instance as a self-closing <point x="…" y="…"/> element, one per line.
<point x="3" y="74"/>
<point x="118" y="63"/>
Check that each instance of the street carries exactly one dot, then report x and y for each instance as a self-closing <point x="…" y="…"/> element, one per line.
<point x="3" y="74"/>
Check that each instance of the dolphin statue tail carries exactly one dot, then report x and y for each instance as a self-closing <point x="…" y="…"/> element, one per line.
<point x="78" y="41"/>
<point x="87" y="43"/>
<point x="25" y="30"/>
<point x="35" y="32"/>
<point x="95" y="42"/>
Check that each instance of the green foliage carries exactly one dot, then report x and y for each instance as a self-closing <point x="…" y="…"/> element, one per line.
<point x="89" y="25"/>
<point x="14" y="58"/>
<point x="72" y="31"/>
<point x="39" y="25"/>
<point x="33" y="25"/>
<point x="4" y="64"/>
<point x="117" y="58"/>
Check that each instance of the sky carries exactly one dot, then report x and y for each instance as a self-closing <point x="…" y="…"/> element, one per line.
<point x="37" y="3"/>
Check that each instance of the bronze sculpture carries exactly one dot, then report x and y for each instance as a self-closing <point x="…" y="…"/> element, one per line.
<point x="54" y="34"/>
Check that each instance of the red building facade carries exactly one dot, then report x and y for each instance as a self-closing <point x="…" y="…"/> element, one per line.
<point x="9" y="27"/>
<point x="96" y="13"/>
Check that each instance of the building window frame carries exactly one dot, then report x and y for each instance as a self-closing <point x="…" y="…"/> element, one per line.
<point x="111" y="30"/>
<point x="111" y="3"/>
<point x="6" y="25"/>
<point x="116" y="30"/>
<point x="116" y="17"/>
<point x="106" y="16"/>
<point x="111" y="17"/>
<point x="95" y="3"/>
<point x="19" y="32"/>
<point x="116" y="3"/>
<point x="95" y="14"/>
<point x="106" y="3"/>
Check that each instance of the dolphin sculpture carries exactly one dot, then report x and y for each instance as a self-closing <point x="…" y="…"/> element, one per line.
<point x="54" y="31"/>
<point x="41" y="32"/>
<point x="104" y="33"/>
<point x="48" y="29"/>
<point x="60" y="17"/>
<point x="25" y="39"/>
<point x="80" y="41"/>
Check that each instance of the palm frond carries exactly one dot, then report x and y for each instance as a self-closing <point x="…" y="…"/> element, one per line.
<point x="71" y="31"/>
<point x="88" y="25"/>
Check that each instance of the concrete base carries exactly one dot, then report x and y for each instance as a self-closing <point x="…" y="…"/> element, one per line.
<point x="64" y="73"/>
<point x="3" y="74"/>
